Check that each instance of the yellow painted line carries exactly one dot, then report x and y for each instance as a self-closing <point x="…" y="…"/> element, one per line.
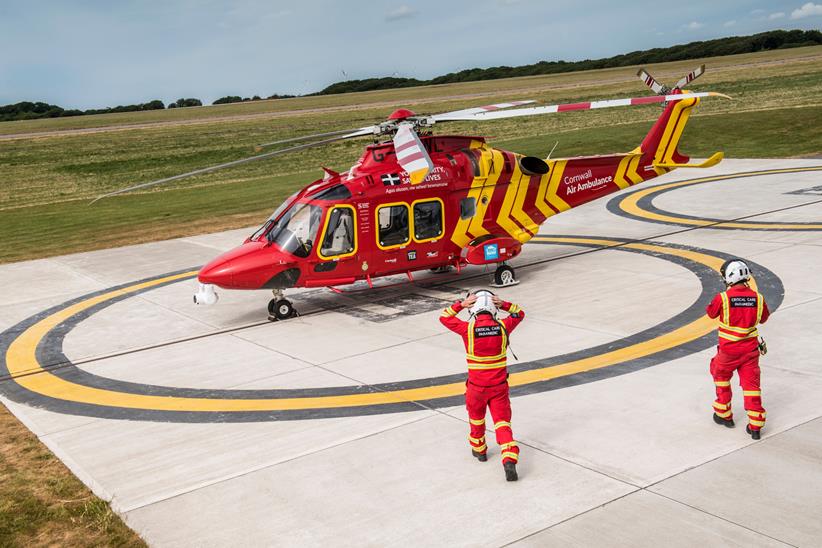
<point x="21" y="359"/>
<point x="631" y="203"/>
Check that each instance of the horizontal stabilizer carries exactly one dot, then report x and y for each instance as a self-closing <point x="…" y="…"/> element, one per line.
<point x="710" y="162"/>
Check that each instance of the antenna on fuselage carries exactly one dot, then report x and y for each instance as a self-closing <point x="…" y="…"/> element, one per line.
<point x="552" y="150"/>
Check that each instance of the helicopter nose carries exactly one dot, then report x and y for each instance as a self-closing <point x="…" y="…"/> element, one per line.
<point x="217" y="272"/>
<point x="252" y="265"/>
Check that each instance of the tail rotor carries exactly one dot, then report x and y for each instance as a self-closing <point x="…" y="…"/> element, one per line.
<point x="662" y="89"/>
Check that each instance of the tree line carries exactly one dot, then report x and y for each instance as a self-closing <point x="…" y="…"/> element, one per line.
<point x="776" y="39"/>
<point x="27" y="110"/>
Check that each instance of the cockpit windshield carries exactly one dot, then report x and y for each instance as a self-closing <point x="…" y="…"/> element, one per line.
<point x="295" y="230"/>
<point x="282" y="207"/>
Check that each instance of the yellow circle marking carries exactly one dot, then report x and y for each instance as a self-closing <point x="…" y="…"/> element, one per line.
<point x="22" y="363"/>
<point x="631" y="204"/>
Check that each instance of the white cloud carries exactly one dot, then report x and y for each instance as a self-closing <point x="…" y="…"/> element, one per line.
<point x="807" y="10"/>
<point x="729" y="23"/>
<point x="693" y="25"/>
<point x="402" y="12"/>
<point x="758" y="12"/>
<point x="777" y="15"/>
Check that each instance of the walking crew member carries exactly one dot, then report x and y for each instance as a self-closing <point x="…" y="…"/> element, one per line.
<point x="486" y="347"/>
<point x="739" y="309"/>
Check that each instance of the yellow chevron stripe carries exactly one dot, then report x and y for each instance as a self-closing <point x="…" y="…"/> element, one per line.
<point x="557" y="169"/>
<point x="519" y="204"/>
<point x="542" y="198"/>
<point x="504" y="217"/>
<point x="622" y="168"/>
<point x="495" y="158"/>
<point x="460" y="235"/>
<point x="633" y="174"/>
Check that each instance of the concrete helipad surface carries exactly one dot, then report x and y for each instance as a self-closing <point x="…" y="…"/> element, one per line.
<point x="211" y="426"/>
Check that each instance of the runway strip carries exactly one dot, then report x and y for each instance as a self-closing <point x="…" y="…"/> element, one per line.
<point x="71" y="390"/>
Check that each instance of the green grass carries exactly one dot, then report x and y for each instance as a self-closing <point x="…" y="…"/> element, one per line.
<point x="47" y="181"/>
<point x="761" y="134"/>
<point x="59" y="228"/>
<point x="431" y="94"/>
<point x="43" y="504"/>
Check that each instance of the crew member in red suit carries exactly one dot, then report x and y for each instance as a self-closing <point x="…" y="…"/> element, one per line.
<point x="739" y="310"/>
<point x="486" y="346"/>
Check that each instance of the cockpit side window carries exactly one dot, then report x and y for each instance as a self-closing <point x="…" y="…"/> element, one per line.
<point x="339" y="239"/>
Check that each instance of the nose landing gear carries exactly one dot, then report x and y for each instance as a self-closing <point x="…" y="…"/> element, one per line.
<point x="280" y="308"/>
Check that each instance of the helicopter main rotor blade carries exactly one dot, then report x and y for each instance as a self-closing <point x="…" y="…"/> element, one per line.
<point x="446" y="116"/>
<point x="230" y="164"/>
<point x="346" y="133"/>
<point x="553" y="109"/>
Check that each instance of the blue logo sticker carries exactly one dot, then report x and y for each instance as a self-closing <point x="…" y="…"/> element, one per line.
<point x="491" y="252"/>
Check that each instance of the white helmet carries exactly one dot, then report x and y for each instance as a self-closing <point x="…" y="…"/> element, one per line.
<point x="484" y="303"/>
<point x="735" y="271"/>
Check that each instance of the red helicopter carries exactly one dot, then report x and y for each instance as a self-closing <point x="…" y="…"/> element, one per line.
<point x="421" y="201"/>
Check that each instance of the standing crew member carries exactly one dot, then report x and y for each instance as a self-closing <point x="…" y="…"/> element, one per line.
<point x="739" y="309"/>
<point x="486" y="347"/>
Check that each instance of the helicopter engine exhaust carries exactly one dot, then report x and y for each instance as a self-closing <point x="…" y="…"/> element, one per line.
<point x="531" y="165"/>
<point x="205" y="294"/>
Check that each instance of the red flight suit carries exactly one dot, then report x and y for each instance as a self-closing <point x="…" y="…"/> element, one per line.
<point x="739" y="309"/>
<point x="486" y="348"/>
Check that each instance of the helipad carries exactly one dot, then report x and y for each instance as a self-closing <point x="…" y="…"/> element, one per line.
<point x="209" y="426"/>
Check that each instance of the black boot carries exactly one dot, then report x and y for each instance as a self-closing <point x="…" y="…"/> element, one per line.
<point x="754" y="433"/>
<point x="724" y="422"/>
<point x="510" y="471"/>
<point x="482" y="457"/>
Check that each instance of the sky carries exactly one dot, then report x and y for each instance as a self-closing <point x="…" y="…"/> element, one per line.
<point x="98" y="53"/>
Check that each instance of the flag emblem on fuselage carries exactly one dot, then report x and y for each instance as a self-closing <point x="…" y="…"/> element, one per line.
<point x="391" y="179"/>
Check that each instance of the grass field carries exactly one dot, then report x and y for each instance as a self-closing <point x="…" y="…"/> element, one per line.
<point x="43" y="504"/>
<point x="50" y="169"/>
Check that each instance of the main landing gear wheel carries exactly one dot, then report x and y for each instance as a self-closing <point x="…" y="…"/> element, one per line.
<point x="280" y="309"/>
<point x="504" y="276"/>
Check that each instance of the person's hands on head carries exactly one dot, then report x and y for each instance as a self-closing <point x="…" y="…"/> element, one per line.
<point x="469" y="301"/>
<point x="497" y="301"/>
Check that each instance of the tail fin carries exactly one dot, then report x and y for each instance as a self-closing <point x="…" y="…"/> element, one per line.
<point x="661" y="142"/>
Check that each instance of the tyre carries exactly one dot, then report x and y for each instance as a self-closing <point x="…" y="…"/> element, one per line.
<point x="280" y="309"/>
<point x="504" y="275"/>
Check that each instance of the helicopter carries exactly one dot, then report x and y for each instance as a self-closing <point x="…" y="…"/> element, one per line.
<point x="418" y="201"/>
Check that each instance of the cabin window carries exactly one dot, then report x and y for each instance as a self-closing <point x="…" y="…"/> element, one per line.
<point x="428" y="220"/>
<point x="393" y="225"/>
<point x="468" y="207"/>
<point x="340" y="237"/>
